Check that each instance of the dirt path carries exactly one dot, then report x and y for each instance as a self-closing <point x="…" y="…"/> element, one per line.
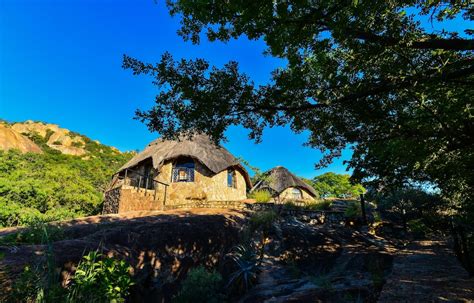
<point x="427" y="271"/>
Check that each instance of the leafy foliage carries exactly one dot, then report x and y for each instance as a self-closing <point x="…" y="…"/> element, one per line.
<point x="353" y="210"/>
<point x="99" y="279"/>
<point x="245" y="275"/>
<point x="39" y="281"/>
<point x="263" y="220"/>
<point x="336" y="185"/>
<point x="412" y="203"/>
<point x="53" y="186"/>
<point x="359" y="74"/>
<point x="200" y="285"/>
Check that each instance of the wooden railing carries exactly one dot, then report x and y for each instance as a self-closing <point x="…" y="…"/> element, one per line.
<point x="138" y="180"/>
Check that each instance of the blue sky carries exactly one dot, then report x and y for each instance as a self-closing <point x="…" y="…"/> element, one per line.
<point x="60" y="62"/>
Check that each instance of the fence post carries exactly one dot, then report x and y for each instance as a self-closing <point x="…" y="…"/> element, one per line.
<point x="362" y="207"/>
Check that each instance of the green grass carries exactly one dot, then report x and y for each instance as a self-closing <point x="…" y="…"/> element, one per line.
<point x="261" y="196"/>
<point x="36" y="233"/>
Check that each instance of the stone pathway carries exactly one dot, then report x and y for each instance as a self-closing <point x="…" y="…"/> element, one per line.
<point x="427" y="271"/>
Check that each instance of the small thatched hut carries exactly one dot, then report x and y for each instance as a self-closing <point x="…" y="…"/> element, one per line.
<point x="285" y="186"/>
<point x="179" y="172"/>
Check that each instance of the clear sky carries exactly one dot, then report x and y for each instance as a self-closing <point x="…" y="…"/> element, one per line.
<point x="60" y="62"/>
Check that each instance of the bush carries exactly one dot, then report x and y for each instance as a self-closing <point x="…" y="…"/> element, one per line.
<point x="200" y="285"/>
<point x="290" y="205"/>
<point x="417" y="228"/>
<point x="13" y="214"/>
<point x="95" y="280"/>
<point x="99" y="279"/>
<point x="36" y="233"/>
<point x="77" y="144"/>
<point x="319" y="205"/>
<point x="262" y="220"/>
<point x="261" y="196"/>
<point x="353" y="210"/>
<point x="39" y="282"/>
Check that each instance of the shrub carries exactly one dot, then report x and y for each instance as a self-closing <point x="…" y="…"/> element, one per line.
<point x="36" y="233"/>
<point x="39" y="282"/>
<point x="417" y="228"/>
<point x="48" y="135"/>
<point x="290" y="205"/>
<point x="261" y="196"/>
<point x="26" y="287"/>
<point x="246" y="263"/>
<point x="353" y="210"/>
<point x="77" y="144"/>
<point x="13" y="214"/>
<point x="200" y="285"/>
<point x="319" y="205"/>
<point x="262" y="220"/>
<point x="99" y="279"/>
<point x="95" y="280"/>
<point x="57" y="142"/>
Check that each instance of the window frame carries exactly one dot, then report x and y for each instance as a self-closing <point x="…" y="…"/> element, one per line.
<point x="296" y="193"/>
<point x="186" y="165"/>
<point x="231" y="178"/>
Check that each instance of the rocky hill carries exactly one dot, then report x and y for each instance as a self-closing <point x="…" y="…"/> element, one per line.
<point x="20" y="135"/>
<point x="51" y="173"/>
<point x="11" y="139"/>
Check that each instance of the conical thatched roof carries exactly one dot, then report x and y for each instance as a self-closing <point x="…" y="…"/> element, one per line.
<point x="279" y="178"/>
<point x="200" y="147"/>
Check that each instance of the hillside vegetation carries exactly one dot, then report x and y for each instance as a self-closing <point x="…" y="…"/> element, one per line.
<point x="53" y="185"/>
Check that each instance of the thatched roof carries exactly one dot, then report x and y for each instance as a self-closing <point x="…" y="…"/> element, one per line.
<point x="279" y="178"/>
<point x="199" y="147"/>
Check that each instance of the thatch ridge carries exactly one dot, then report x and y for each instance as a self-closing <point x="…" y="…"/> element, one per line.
<point x="199" y="147"/>
<point x="280" y="178"/>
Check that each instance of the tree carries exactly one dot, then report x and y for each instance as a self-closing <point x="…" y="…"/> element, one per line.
<point x="363" y="74"/>
<point x="410" y="203"/>
<point x="336" y="185"/>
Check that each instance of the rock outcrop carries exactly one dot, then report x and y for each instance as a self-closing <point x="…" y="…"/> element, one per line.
<point x="160" y="248"/>
<point x="57" y="138"/>
<point x="11" y="139"/>
<point x="320" y="263"/>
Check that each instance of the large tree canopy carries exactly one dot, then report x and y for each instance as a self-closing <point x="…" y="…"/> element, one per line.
<point x="363" y="74"/>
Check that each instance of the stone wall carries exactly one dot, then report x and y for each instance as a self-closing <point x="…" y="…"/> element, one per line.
<point x="132" y="199"/>
<point x="304" y="215"/>
<point x="127" y="198"/>
<point x="112" y="201"/>
<point x="206" y="186"/>
<point x="209" y="204"/>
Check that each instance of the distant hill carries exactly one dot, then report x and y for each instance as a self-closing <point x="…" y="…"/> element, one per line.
<point x="16" y="135"/>
<point x="49" y="173"/>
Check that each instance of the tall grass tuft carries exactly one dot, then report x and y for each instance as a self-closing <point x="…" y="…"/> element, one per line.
<point x="261" y="196"/>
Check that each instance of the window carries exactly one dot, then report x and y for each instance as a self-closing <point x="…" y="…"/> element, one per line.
<point x="231" y="178"/>
<point x="296" y="193"/>
<point x="183" y="170"/>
